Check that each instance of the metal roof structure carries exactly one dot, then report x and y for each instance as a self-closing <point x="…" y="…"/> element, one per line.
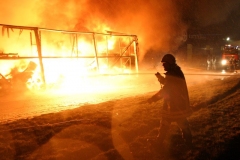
<point x="123" y="53"/>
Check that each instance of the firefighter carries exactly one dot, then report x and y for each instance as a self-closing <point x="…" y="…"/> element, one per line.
<point x="214" y="60"/>
<point x="233" y="63"/>
<point x="175" y="96"/>
<point x="209" y="62"/>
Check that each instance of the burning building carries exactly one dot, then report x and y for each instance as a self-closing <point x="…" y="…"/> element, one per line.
<point x="62" y="54"/>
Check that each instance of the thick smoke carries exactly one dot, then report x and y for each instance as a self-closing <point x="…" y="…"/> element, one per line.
<point x="22" y="12"/>
<point x="159" y="24"/>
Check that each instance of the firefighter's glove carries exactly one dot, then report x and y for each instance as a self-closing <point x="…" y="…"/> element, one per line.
<point x="160" y="77"/>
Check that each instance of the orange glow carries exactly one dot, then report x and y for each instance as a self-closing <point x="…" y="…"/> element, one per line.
<point x="85" y="47"/>
<point x="69" y="60"/>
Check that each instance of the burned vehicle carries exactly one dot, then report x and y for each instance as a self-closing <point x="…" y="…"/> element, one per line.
<point x="230" y="58"/>
<point x="5" y="84"/>
<point x="16" y="80"/>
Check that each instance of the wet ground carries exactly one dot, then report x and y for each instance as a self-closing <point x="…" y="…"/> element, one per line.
<point x="28" y="104"/>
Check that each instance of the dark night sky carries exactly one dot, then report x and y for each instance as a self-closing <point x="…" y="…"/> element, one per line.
<point x="214" y="17"/>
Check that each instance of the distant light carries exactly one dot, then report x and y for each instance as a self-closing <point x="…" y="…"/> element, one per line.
<point x="224" y="62"/>
<point x="228" y="39"/>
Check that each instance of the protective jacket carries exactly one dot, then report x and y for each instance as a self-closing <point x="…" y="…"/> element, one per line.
<point x="174" y="93"/>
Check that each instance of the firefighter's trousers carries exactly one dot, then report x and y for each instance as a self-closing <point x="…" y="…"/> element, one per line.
<point x="182" y="123"/>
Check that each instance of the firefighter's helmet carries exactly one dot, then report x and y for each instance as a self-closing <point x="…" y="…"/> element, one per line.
<point x="169" y="58"/>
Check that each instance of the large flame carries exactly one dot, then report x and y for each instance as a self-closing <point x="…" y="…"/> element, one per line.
<point x="69" y="59"/>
